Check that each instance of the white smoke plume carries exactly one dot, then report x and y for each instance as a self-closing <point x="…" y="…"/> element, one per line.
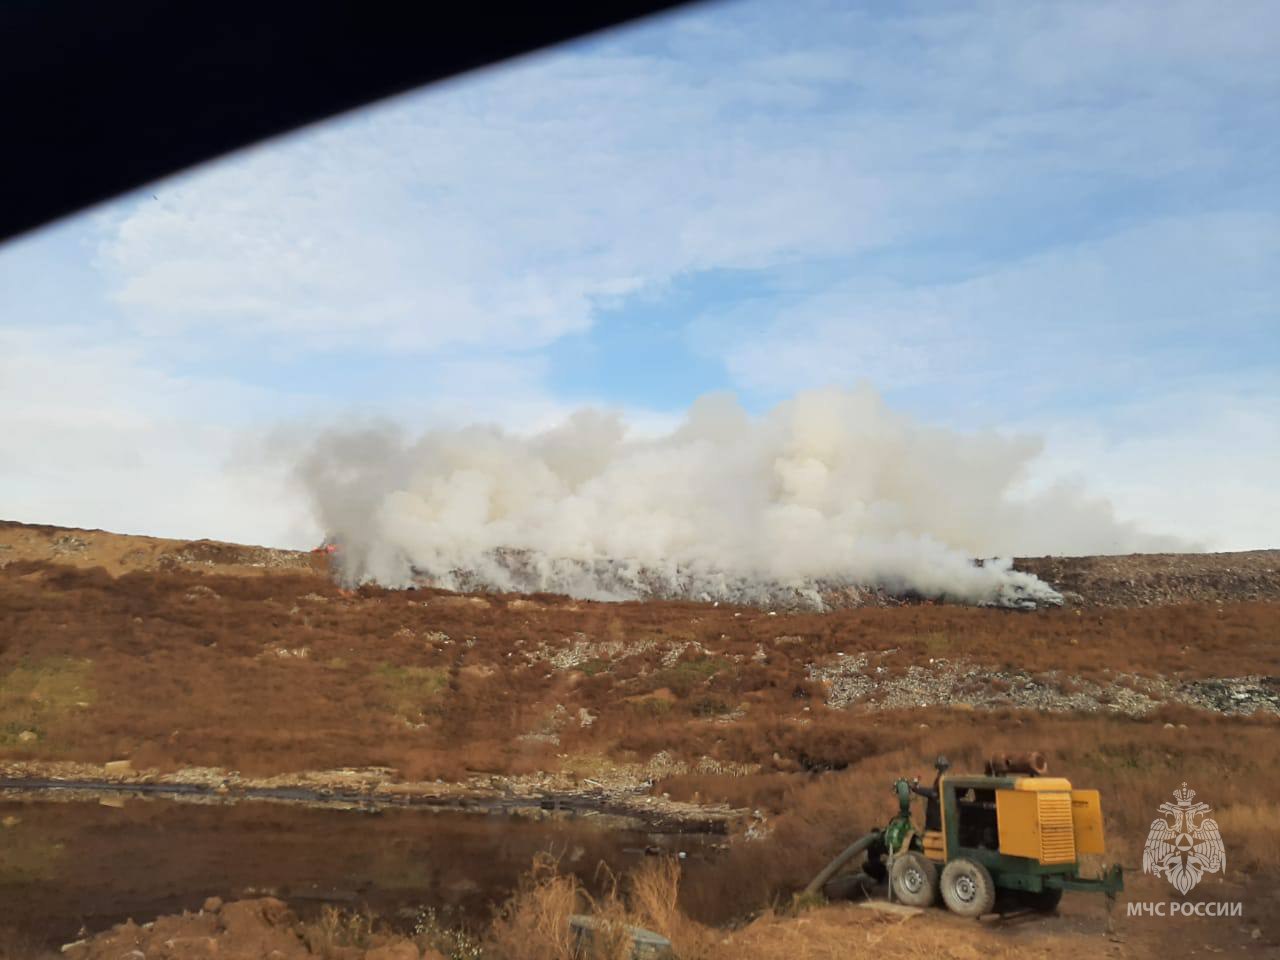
<point x="828" y="490"/>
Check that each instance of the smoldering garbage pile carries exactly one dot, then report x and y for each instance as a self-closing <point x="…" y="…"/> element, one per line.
<point x="829" y="499"/>
<point x="527" y="571"/>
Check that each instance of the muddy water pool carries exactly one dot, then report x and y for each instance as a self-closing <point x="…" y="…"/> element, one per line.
<point x="71" y="864"/>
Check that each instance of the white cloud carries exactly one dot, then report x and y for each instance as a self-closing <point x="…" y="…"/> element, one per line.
<point x="489" y="216"/>
<point x="1136" y="356"/>
<point x="1129" y="309"/>
<point x="912" y="155"/>
<point x="1201" y="460"/>
<point x="95" y="437"/>
<point x="496" y="211"/>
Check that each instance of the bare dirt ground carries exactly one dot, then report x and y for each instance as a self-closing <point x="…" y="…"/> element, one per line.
<point x="143" y="659"/>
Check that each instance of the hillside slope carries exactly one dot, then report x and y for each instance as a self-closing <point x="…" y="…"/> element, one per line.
<point x="206" y="654"/>
<point x="138" y="659"/>
<point x="1105" y="581"/>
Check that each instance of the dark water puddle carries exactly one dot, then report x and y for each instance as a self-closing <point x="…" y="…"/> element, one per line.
<point x="663" y="821"/>
<point x="69" y="864"/>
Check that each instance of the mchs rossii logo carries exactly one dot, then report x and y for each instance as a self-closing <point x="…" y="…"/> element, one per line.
<point x="1184" y="844"/>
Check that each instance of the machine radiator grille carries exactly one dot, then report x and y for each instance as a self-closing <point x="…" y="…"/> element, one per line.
<point x="1057" y="838"/>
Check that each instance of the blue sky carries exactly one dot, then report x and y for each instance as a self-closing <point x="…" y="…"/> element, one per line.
<point x="1055" y="219"/>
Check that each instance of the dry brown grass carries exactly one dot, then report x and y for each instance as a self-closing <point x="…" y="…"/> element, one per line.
<point x="654" y="893"/>
<point x="534" y="922"/>
<point x="843" y="932"/>
<point x="654" y="903"/>
<point x="1234" y="764"/>
<point x="439" y="686"/>
<point x="649" y="897"/>
<point x="1258" y="822"/>
<point x="183" y="669"/>
<point x="335" y="930"/>
<point x="186" y="669"/>
<point x="174" y="681"/>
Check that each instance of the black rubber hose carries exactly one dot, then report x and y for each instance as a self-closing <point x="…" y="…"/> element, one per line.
<point x="832" y="868"/>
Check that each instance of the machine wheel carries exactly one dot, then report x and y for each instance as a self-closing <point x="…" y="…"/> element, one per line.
<point x="1045" y="900"/>
<point x="914" y="879"/>
<point x="967" y="888"/>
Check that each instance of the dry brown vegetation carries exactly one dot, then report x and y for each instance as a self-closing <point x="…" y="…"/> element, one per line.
<point x="649" y="898"/>
<point x="283" y="672"/>
<point x="533" y="924"/>
<point x="1235" y="764"/>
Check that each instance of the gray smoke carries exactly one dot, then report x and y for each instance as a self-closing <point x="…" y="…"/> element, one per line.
<point x="828" y="491"/>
